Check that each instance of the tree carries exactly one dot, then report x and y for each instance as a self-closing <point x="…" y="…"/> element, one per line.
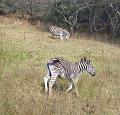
<point x="66" y="12"/>
<point x="113" y="11"/>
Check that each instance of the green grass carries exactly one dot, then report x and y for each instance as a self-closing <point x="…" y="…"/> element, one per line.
<point x="24" y="52"/>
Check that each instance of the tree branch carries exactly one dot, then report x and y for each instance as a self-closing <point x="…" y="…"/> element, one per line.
<point x="116" y="10"/>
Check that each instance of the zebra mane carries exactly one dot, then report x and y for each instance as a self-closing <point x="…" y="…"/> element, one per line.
<point x="58" y="60"/>
<point x="85" y="60"/>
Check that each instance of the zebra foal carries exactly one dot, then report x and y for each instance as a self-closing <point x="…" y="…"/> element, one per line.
<point x="58" y="67"/>
<point x="59" y="32"/>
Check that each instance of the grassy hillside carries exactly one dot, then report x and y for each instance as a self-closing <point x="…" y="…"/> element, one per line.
<point x="24" y="52"/>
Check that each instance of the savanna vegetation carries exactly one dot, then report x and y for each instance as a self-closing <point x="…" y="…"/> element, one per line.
<point x="26" y="46"/>
<point x="24" y="52"/>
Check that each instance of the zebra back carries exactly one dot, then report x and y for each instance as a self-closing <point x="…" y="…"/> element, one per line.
<point x="56" y="31"/>
<point x="61" y="64"/>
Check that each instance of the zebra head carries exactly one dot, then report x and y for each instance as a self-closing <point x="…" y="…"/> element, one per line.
<point x="89" y="67"/>
<point x="51" y="28"/>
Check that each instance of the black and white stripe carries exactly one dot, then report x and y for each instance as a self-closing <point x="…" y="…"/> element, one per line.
<point x="59" y="32"/>
<point x="58" y="67"/>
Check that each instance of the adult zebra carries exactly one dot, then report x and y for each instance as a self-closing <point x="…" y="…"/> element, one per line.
<point x="58" y="67"/>
<point x="59" y="32"/>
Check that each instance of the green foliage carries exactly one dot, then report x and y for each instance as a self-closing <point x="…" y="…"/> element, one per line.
<point x="66" y="7"/>
<point x="61" y="11"/>
<point x="8" y="6"/>
<point x="98" y="15"/>
<point x="94" y="16"/>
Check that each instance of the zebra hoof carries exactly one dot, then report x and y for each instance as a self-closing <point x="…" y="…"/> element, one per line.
<point x="46" y="92"/>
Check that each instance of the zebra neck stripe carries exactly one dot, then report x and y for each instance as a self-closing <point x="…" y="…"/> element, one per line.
<point x="53" y="28"/>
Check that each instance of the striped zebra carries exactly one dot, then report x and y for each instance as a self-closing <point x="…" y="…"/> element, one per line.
<point x="59" y="32"/>
<point x="58" y="67"/>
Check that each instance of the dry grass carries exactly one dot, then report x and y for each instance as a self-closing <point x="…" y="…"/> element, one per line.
<point x="23" y="55"/>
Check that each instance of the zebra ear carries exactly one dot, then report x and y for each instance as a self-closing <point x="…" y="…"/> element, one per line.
<point x="85" y="59"/>
<point x="82" y="59"/>
<point x="88" y="62"/>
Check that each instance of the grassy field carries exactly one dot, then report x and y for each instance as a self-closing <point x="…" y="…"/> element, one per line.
<point x="24" y="52"/>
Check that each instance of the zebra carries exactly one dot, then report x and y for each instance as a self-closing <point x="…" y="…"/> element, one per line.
<point x="58" y="67"/>
<point x="60" y="32"/>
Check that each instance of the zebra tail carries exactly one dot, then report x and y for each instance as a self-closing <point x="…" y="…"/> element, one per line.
<point x="49" y="69"/>
<point x="52" y="63"/>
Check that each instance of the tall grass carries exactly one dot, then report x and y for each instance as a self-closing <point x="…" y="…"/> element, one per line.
<point x="24" y="52"/>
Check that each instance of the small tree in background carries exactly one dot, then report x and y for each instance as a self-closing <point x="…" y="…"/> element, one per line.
<point x="8" y="6"/>
<point x="65" y="13"/>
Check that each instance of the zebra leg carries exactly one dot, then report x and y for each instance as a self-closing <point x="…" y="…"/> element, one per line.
<point x="54" y="75"/>
<point x="51" y="82"/>
<point x="61" y="36"/>
<point x="70" y="86"/>
<point x="76" y="87"/>
<point x="46" y="78"/>
<point x="67" y="37"/>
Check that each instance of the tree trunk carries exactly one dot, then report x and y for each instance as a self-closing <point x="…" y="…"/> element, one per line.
<point x="71" y="31"/>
